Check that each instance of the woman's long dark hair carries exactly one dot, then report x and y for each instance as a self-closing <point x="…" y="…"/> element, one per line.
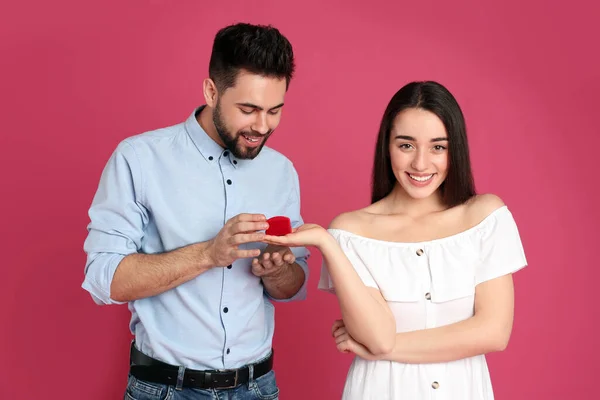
<point x="459" y="186"/>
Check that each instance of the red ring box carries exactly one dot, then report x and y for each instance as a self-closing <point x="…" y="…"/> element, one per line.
<point x="279" y="226"/>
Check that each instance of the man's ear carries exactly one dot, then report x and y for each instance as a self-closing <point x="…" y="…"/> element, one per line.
<point x="210" y="92"/>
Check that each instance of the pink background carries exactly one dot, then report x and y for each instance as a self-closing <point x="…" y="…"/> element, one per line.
<point x="78" y="76"/>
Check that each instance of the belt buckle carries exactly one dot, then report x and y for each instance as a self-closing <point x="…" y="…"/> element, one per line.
<point x="235" y="382"/>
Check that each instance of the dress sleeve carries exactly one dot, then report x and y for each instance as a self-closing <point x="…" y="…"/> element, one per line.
<point x="345" y="243"/>
<point x="501" y="248"/>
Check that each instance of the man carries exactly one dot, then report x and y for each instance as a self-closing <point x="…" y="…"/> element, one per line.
<point x="176" y="229"/>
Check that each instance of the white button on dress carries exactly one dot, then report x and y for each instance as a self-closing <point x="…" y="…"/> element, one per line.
<point x="427" y="285"/>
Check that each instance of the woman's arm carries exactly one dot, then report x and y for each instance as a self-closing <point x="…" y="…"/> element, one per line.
<point x="487" y="331"/>
<point x="365" y="312"/>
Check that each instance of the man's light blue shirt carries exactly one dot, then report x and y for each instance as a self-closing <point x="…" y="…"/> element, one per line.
<point x="168" y="188"/>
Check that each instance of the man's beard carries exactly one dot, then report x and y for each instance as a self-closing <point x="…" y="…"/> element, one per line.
<point x="233" y="141"/>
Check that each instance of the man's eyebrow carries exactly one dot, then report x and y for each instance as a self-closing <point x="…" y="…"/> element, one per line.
<point x="250" y="105"/>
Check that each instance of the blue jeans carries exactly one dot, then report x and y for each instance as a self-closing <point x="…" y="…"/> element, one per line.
<point x="263" y="388"/>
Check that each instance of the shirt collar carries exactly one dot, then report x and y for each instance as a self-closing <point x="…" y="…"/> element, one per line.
<point x="209" y="149"/>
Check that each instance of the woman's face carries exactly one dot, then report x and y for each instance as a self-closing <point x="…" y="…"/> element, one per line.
<point x="419" y="152"/>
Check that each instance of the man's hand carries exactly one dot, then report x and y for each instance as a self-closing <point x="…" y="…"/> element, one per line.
<point x="273" y="262"/>
<point x="242" y="228"/>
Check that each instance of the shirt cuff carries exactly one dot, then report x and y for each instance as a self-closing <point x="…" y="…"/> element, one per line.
<point x="99" y="276"/>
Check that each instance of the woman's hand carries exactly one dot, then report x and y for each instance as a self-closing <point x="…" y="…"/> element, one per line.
<point x="305" y="235"/>
<point x="346" y="344"/>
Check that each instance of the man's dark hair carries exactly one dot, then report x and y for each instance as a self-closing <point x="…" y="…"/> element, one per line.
<point x="258" y="49"/>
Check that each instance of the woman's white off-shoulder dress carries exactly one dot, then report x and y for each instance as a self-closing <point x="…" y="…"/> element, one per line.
<point x="426" y="285"/>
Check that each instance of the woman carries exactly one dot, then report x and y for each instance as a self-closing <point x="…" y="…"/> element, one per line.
<point x="423" y="275"/>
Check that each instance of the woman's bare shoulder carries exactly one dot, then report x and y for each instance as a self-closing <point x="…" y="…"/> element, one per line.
<point x="352" y="221"/>
<point x="481" y="206"/>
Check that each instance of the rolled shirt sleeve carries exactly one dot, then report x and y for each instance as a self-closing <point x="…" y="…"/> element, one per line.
<point x="117" y="220"/>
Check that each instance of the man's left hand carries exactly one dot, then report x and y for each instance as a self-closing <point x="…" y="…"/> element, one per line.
<point x="273" y="261"/>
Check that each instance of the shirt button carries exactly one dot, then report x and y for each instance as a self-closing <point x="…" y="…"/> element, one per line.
<point x="428" y="296"/>
<point x="234" y="161"/>
<point x="210" y="158"/>
<point x="420" y="252"/>
<point x="228" y="351"/>
<point x="229" y="267"/>
<point x="225" y="154"/>
<point x="435" y="385"/>
<point x="229" y="181"/>
<point x="226" y="310"/>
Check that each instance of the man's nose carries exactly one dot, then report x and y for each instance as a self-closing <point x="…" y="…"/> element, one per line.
<point x="260" y="124"/>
